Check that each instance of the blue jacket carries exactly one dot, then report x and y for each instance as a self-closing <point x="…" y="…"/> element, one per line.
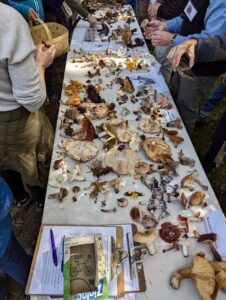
<point x="215" y="23"/>
<point x="6" y="199"/>
<point x="22" y="6"/>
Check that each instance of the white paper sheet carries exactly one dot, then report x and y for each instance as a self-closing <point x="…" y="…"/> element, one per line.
<point x="215" y="222"/>
<point x="48" y="279"/>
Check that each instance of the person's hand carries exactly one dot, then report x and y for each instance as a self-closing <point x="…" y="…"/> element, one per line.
<point x="152" y="10"/>
<point x="161" y="38"/>
<point x="223" y="78"/>
<point x="44" y="56"/>
<point x="157" y="25"/>
<point x="32" y="15"/>
<point x="92" y="20"/>
<point x="186" y="48"/>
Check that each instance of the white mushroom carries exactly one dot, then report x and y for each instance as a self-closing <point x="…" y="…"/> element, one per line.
<point x="76" y="174"/>
<point x="147" y="238"/>
<point x="122" y="162"/>
<point x="81" y="150"/>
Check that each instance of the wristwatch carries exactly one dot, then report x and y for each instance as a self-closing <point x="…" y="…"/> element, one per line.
<point x="172" y="40"/>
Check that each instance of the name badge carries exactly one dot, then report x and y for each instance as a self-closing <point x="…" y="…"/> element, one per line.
<point x="190" y="11"/>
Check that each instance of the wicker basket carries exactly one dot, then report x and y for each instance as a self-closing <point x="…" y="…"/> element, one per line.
<point x="53" y="33"/>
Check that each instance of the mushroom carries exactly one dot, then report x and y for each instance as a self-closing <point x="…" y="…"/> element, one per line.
<point x="188" y="181"/>
<point x="185" y="161"/>
<point x="76" y="174"/>
<point x="136" y="214"/>
<point x="115" y="184"/>
<point x="202" y="273"/>
<point x="220" y="273"/>
<point x="87" y="130"/>
<point x="81" y="150"/>
<point x="209" y="239"/>
<point x="184" y="200"/>
<point x="122" y="202"/>
<point x="184" y="244"/>
<point x="59" y="196"/>
<point x="142" y="168"/>
<point x="57" y="178"/>
<point x="147" y="238"/>
<point x="154" y="147"/>
<point x="149" y="221"/>
<point x="197" y="198"/>
<point x="150" y="126"/>
<point x="122" y="162"/>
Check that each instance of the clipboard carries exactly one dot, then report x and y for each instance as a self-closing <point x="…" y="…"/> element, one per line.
<point x="119" y="240"/>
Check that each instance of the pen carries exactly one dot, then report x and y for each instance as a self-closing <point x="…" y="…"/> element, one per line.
<point x="53" y="247"/>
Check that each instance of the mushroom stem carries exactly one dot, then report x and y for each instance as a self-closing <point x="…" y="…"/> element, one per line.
<point x="215" y="253"/>
<point x="179" y="276"/>
<point x="151" y="248"/>
<point x="108" y="210"/>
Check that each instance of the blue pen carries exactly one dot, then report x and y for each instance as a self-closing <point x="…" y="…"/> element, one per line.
<point x="53" y="247"/>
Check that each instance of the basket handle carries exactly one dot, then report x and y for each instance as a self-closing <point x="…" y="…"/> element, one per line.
<point x="43" y="24"/>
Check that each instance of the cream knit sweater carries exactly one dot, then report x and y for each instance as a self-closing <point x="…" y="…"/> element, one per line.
<point x="19" y="77"/>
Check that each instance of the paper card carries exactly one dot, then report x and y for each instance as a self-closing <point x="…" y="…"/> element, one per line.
<point x="84" y="264"/>
<point x="215" y="222"/>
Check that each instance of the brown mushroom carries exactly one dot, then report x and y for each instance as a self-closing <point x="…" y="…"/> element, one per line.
<point x="147" y="238"/>
<point x="142" y="168"/>
<point x="209" y="239"/>
<point x="63" y="193"/>
<point x="220" y="273"/>
<point x="197" y="198"/>
<point x="184" y="200"/>
<point x="154" y="147"/>
<point x="122" y="202"/>
<point x="136" y="214"/>
<point x="202" y="273"/>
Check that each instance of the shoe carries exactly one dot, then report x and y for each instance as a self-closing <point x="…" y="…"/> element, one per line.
<point x="39" y="207"/>
<point x="20" y="205"/>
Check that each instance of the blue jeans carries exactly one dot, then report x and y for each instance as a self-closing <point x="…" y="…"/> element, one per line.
<point x="216" y="95"/>
<point x="16" y="263"/>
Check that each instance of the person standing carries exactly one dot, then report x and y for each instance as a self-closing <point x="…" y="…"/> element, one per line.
<point x="198" y="21"/>
<point x="26" y="135"/>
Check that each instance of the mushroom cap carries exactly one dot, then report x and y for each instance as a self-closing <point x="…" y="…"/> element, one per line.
<point x="197" y="198"/>
<point x="204" y="277"/>
<point x="220" y="273"/>
<point x="142" y="168"/>
<point x="136" y="214"/>
<point x="146" y="237"/>
<point x="149" y="125"/>
<point x="154" y="147"/>
<point x="122" y="162"/>
<point x="81" y="150"/>
<point x="207" y="238"/>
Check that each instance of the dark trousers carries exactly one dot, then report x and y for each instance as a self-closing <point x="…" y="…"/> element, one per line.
<point x="218" y="140"/>
<point x="16" y="263"/>
<point x="15" y="183"/>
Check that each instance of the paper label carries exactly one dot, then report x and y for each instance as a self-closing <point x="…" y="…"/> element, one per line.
<point x="215" y="222"/>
